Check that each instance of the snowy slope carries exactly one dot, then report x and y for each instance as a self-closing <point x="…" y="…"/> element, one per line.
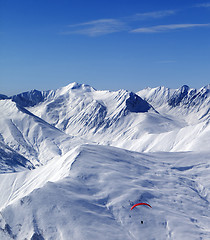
<point x="11" y="161"/>
<point x="59" y="182"/>
<point x="30" y="136"/>
<point x="185" y="102"/>
<point x="190" y="106"/>
<point x="92" y="200"/>
<point x="78" y="108"/>
<point x="124" y="120"/>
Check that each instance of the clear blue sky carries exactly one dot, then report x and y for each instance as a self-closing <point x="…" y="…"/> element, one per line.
<point x="108" y="44"/>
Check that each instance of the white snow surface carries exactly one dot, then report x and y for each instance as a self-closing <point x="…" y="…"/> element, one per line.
<point x="31" y="136"/>
<point x="104" y="117"/>
<point x="74" y="162"/>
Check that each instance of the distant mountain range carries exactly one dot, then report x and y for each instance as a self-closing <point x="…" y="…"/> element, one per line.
<point x="184" y="100"/>
<point x="123" y="118"/>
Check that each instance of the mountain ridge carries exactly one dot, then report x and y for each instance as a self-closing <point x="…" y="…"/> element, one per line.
<point x="73" y="161"/>
<point x="138" y="122"/>
<point x="184" y="100"/>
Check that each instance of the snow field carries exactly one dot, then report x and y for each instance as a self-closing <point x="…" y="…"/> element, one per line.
<point x="93" y="198"/>
<point x="68" y="172"/>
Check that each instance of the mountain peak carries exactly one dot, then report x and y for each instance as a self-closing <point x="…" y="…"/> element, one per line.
<point x="31" y="98"/>
<point x="136" y="104"/>
<point x="184" y="88"/>
<point x="77" y="86"/>
<point x="178" y="96"/>
<point x="3" y="97"/>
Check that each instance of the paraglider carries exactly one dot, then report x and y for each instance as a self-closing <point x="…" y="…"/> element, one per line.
<point x="137" y="204"/>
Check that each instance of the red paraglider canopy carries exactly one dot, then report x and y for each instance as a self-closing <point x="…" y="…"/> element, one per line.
<point x="140" y="204"/>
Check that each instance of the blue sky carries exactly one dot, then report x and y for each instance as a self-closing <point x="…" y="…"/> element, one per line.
<point x="118" y="44"/>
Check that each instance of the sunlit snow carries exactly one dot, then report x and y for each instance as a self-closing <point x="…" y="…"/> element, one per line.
<point x="73" y="162"/>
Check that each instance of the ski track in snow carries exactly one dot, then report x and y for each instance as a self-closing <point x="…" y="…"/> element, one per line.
<point x="80" y="190"/>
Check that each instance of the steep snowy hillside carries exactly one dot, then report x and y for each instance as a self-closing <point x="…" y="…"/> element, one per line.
<point x="29" y="99"/>
<point x="11" y="161"/>
<point x="158" y="96"/>
<point x="30" y="136"/>
<point x="78" y="109"/>
<point x="123" y="119"/>
<point x="188" y="103"/>
<point x="93" y="191"/>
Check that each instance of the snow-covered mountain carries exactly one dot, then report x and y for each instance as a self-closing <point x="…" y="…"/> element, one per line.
<point x="60" y="178"/>
<point x="11" y="161"/>
<point x="88" y="194"/>
<point x="160" y="119"/>
<point x="79" y="104"/>
<point x="30" y="136"/>
<point x="188" y="103"/>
